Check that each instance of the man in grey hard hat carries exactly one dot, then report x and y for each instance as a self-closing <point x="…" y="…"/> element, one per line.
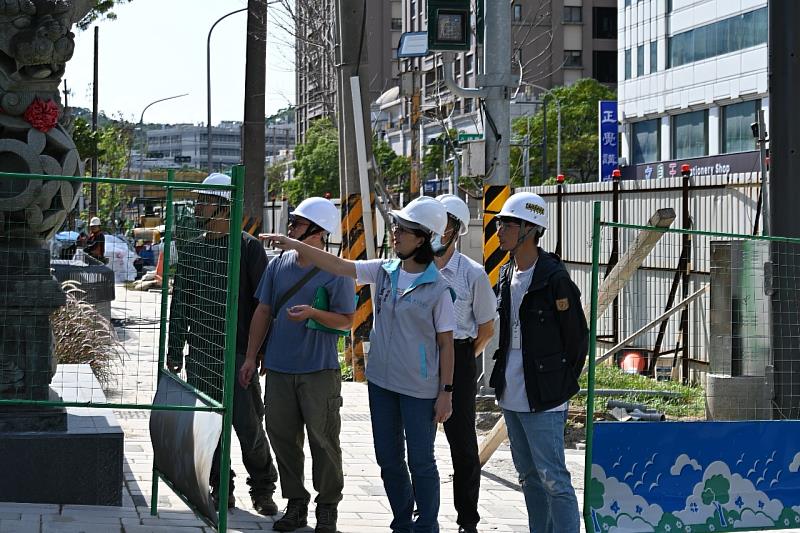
<point x="475" y="310"/>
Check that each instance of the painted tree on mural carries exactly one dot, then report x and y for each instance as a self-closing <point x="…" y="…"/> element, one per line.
<point x="716" y="490"/>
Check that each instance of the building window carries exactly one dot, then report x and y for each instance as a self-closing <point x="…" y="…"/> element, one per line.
<point x="468" y="63"/>
<point x="467" y="105"/>
<point x="722" y="37"/>
<point x="690" y="134"/>
<point x="397" y="24"/>
<point x="736" y="133"/>
<point x="604" y="66"/>
<point x="573" y="58"/>
<point x="646" y="142"/>
<point x="640" y="60"/>
<point x="572" y="15"/>
<point x="628" y="64"/>
<point x="604" y="23"/>
<point x="653" y="56"/>
<point x="627" y="3"/>
<point x="517" y="12"/>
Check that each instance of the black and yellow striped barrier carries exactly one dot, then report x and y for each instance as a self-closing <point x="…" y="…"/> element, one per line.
<point x="251" y="225"/>
<point x="354" y="247"/>
<point x="494" y="196"/>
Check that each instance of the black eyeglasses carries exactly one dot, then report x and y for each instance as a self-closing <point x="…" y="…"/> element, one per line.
<point x="296" y="222"/>
<point x="505" y="224"/>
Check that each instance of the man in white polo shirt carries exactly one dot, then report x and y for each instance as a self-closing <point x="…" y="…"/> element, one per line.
<point x="475" y="310"/>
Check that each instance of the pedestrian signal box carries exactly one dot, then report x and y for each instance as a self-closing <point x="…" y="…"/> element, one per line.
<point x="449" y="25"/>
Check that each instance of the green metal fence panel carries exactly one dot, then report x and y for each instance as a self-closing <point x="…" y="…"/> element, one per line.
<point x="701" y="430"/>
<point x="190" y="314"/>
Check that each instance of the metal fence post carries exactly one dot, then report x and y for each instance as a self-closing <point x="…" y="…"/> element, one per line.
<point x="587" y="510"/>
<point x="231" y="319"/>
<point x="162" y="341"/>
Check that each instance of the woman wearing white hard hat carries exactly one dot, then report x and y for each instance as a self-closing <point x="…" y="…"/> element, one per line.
<point x="542" y="350"/>
<point x="410" y="366"/>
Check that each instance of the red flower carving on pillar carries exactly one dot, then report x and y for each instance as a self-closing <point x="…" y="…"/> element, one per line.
<point x="42" y="115"/>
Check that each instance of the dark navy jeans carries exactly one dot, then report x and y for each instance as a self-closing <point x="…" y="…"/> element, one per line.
<point x="401" y="422"/>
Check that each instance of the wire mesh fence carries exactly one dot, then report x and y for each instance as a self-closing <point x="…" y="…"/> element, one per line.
<point x="694" y="387"/>
<point x="78" y="330"/>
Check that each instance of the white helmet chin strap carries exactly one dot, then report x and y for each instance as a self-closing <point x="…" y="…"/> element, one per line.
<point x="521" y="238"/>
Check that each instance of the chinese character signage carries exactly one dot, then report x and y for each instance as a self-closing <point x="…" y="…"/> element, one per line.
<point x="608" y="138"/>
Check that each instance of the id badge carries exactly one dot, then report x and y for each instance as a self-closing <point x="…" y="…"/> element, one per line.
<point x="515" y="336"/>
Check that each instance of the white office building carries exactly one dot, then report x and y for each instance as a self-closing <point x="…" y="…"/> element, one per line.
<point x="692" y="78"/>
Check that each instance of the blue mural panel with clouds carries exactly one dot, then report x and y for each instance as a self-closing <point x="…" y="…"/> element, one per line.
<point x="695" y="477"/>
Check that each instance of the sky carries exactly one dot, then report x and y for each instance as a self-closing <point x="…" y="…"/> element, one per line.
<point x="157" y="48"/>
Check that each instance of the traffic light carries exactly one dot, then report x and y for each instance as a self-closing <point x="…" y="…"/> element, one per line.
<point x="449" y="25"/>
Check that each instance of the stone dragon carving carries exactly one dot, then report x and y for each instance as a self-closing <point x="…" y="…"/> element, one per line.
<point x="35" y="45"/>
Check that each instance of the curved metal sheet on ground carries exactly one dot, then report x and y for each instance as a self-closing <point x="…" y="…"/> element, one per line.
<point x="184" y="444"/>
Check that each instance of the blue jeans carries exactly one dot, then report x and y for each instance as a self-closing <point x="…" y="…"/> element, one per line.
<point x="394" y="416"/>
<point x="537" y="447"/>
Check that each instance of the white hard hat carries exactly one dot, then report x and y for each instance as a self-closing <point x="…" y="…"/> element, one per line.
<point x="526" y="206"/>
<point x="216" y="179"/>
<point x="426" y="213"/>
<point x="320" y="211"/>
<point x="95" y="221"/>
<point x="458" y="208"/>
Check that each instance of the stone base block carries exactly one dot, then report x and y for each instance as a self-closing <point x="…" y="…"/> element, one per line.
<point x="82" y="465"/>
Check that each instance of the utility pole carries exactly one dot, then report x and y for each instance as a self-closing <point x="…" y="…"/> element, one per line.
<point x="354" y="153"/>
<point x="783" y="191"/>
<point x="255" y="82"/>
<point x="415" y="137"/>
<point x="93" y="199"/>
<point x="494" y="89"/>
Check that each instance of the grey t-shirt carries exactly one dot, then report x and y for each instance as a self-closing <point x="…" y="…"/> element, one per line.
<point x="292" y="348"/>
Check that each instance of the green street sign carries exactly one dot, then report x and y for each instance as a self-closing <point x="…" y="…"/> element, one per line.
<point x="449" y="26"/>
<point x="463" y="137"/>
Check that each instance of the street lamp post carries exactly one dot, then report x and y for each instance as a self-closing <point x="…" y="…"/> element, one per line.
<point x="208" y="81"/>
<point x="141" y="131"/>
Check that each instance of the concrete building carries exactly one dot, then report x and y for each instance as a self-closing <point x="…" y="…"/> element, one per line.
<point x="187" y="144"/>
<point x="692" y="78"/>
<point x="314" y="55"/>
<point x="554" y="42"/>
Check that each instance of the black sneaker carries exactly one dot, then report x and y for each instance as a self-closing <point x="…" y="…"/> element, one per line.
<point x="326" y="518"/>
<point x="215" y="497"/>
<point x="468" y="529"/>
<point x="295" y="516"/>
<point x="264" y="504"/>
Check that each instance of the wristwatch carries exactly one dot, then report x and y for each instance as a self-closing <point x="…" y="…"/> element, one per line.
<point x="447" y="388"/>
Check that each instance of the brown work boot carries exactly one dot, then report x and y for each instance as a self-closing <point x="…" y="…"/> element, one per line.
<point x="326" y="518"/>
<point x="295" y="516"/>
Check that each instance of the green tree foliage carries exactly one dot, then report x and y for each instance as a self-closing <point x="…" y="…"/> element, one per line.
<point x="395" y="169"/>
<point x="102" y="8"/>
<point x="578" y="134"/>
<point x="316" y="163"/>
<point x="438" y="150"/>
<point x="111" y="144"/>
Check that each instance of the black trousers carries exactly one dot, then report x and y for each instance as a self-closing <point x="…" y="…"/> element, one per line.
<point x="460" y="431"/>
<point x="248" y="413"/>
